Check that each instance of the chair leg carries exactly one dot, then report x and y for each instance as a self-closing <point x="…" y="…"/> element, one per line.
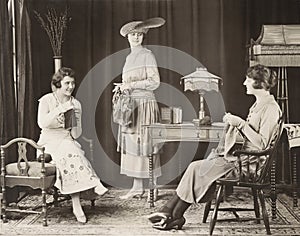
<point x="256" y="205"/>
<point x="4" y="219"/>
<point x="273" y="194"/>
<point x="206" y="211"/>
<point x="44" y="207"/>
<point x="55" y="197"/>
<point x="264" y="211"/>
<point x="295" y="198"/>
<point x="215" y="212"/>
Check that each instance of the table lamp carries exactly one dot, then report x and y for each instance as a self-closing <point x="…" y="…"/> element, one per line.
<point x="201" y="81"/>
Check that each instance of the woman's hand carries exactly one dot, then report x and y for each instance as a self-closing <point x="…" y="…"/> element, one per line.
<point x="67" y="106"/>
<point x="121" y="87"/>
<point x="233" y="120"/>
<point x="125" y="86"/>
<point x="61" y="118"/>
<point x="117" y="87"/>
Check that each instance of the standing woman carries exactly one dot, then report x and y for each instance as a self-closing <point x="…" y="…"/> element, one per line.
<point x="140" y="77"/>
<point x="59" y="117"/>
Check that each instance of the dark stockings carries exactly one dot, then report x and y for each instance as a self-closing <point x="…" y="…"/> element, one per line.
<point x="175" y="207"/>
<point x="180" y="208"/>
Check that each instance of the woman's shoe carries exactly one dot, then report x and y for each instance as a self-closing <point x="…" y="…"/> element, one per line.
<point x="133" y="194"/>
<point x="155" y="195"/>
<point x="170" y="224"/>
<point x="100" y="190"/>
<point x="158" y="216"/>
<point x="80" y="218"/>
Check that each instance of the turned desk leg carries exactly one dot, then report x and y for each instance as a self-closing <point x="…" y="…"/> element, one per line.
<point x="151" y="180"/>
<point x="295" y="199"/>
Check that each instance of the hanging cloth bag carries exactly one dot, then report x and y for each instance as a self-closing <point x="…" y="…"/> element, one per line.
<point x="122" y="107"/>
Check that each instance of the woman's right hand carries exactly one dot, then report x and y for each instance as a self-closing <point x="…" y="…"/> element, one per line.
<point x="117" y="87"/>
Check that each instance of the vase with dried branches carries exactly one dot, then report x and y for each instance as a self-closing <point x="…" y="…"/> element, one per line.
<point x="55" y="25"/>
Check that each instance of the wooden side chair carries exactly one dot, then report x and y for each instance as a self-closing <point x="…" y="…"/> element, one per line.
<point x="258" y="180"/>
<point x="33" y="174"/>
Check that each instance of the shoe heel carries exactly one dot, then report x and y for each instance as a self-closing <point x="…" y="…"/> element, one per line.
<point x="177" y="223"/>
<point x="80" y="218"/>
<point x="139" y="196"/>
<point x="181" y="223"/>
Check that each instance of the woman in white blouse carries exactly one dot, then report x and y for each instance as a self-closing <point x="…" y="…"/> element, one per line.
<point x="59" y="117"/>
<point x="140" y="77"/>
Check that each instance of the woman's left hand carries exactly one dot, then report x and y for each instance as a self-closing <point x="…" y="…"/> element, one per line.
<point x="233" y="120"/>
<point x="125" y="86"/>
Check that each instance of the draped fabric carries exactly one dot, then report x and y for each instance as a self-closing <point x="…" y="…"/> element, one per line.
<point x="26" y="102"/>
<point x="7" y="96"/>
<point x="8" y="118"/>
<point x="215" y="32"/>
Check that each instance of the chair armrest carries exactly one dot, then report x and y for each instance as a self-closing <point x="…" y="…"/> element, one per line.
<point x="251" y="152"/>
<point x="47" y="158"/>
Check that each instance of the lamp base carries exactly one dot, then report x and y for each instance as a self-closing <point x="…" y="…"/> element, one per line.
<point x="201" y="115"/>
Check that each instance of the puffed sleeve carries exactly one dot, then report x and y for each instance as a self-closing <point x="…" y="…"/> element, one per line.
<point x="268" y="123"/>
<point x="48" y="118"/>
<point x="152" y="80"/>
<point x="77" y="130"/>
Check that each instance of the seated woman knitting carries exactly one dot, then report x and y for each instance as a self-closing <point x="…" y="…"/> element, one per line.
<point x="197" y="184"/>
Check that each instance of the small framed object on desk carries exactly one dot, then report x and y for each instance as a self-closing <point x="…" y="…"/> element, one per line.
<point x="166" y="115"/>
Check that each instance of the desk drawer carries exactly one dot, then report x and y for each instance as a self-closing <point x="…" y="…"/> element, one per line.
<point x="178" y="133"/>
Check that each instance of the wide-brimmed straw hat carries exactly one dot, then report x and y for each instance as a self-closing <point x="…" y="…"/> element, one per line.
<point x="141" y="26"/>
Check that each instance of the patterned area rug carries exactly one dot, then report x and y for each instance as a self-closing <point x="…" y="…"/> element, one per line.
<point x="112" y="216"/>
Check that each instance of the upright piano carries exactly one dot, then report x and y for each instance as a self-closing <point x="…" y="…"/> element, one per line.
<point x="277" y="46"/>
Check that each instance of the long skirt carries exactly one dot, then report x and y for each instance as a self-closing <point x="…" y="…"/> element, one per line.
<point x="199" y="176"/>
<point x="74" y="172"/>
<point x="133" y="143"/>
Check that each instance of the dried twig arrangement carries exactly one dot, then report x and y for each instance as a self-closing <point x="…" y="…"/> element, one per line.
<point x="55" y="26"/>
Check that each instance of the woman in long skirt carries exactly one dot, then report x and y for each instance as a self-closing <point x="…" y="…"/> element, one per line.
<point x="140" y="77"/>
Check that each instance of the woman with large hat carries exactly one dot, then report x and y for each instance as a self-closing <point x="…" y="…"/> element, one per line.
<point x="140" y="77"/>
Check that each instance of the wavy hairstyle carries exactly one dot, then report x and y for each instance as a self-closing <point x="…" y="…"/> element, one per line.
<point x="60" y="74"/>
<point x="264" y="77"/>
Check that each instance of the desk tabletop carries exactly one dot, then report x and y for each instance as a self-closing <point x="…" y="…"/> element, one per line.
<point x="187" y="124"/>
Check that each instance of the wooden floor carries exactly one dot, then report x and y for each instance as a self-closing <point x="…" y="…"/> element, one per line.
<point x="112" y="216"/>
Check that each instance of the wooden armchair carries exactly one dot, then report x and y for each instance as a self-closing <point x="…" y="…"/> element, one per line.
<point x="259" y="179"/>
<point x="33" y="174"/>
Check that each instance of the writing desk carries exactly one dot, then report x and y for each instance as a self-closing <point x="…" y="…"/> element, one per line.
<point x="158" y="134"/>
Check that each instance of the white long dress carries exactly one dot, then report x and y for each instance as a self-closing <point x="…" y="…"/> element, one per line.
<point x="141" y="73"/>
<point x="74" y="172"/>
